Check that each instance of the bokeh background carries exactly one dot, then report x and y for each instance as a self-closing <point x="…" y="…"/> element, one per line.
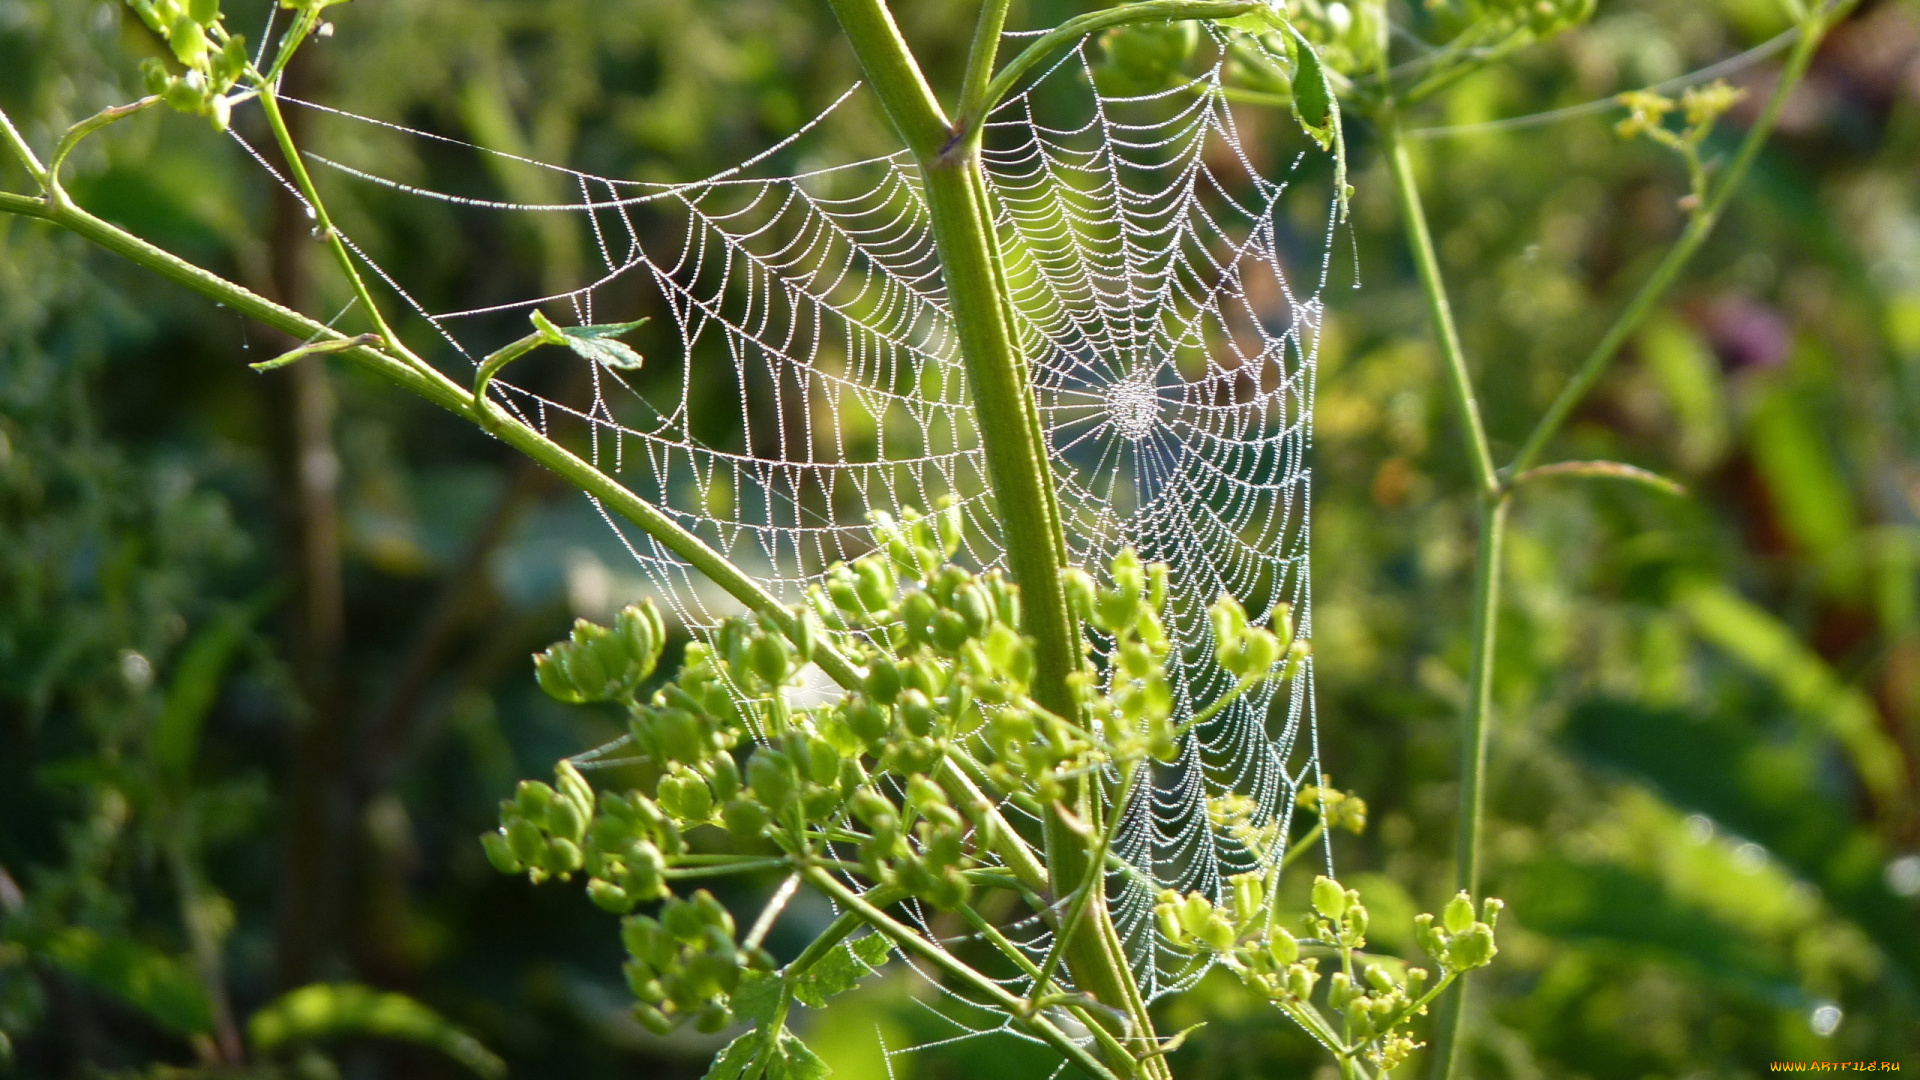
<point x="264" y="638"/>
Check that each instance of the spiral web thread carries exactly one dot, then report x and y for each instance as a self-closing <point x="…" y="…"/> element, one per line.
<point x="1173" y="354"/>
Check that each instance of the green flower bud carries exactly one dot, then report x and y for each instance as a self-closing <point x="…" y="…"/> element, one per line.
<point x="189" y="41"/>
<point x="1081" y="590"/>
<point x="564" y="819"/>
<point x="1339" y="990"/>
<point x="686" y="796"/>
<point x="721" y="771"/>
<point x="917" y="610"/>
<point x="1012" y="655"/>
<point x="974" y="606"/>
<point x="533" y="798"/>
<point x="949" y="631"/>
<point x="883" y="680"/>
<point x="563" y="856"/>
<point x="772" y="659"/>
<point x="1283" y="947"/>
<point x="645" y="940"/>
<point x="1431" y="941"/>
<point x="867" y="721"/>
<point x="1168" y="916"/>
<point x="874" y="809"/>
<point x="609" y="897"/>
<point x="1300" y="979"/>
<point x="917" y="713"/>
<point x="821" y="760"/>
<point x="1378" y="977"/>
<point x="1249" y="896"/>
<point x="1472" y="948"/>
<point x="153" y="75"/>
<point x="653" y="1019"/>
<point x="205" y="12"/>
<point x="712" y="1017"/>
<point x="1457" y="916"/>
<point x="1329" y="899"/>
<point x="1490" y="910"/>
<point x="551" y="672"/>
<point x="186" y="93"/>
<point x="500" y="853"/>
<point x="1196" y="911"/>
<point x="873" y="584"/>
<point x="641" y="634"/>
<point x="745" y="818"/>
<point x="528" y="843"/>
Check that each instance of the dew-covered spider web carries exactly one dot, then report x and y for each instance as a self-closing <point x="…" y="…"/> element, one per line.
<point x="1167" y="294"/>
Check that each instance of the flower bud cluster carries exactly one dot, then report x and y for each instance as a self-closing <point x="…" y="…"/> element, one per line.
<point x="1338" y="809"/>
<point x="731" y="760"/>
<point x="930" y="867"/>
<point x="214" y="59"/>
<point x="543" y="829"/>
<point x="1541" y="18"/>
<point x="1373" y="999"/>
<point x="685" y="963"/>
<point x="1461" y="942"/>
<point x="599" y="663"/>
<point x="1136" y="716"/>
<point x="1251" y="652"/>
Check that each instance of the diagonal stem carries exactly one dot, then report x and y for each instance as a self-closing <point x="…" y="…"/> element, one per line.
<point x="911" y="942"/>
<point x="1698" y="228"/>
<point x="1486" y="570"/>
<point x="323" y="223"/>
<point x="1413" y="216"/>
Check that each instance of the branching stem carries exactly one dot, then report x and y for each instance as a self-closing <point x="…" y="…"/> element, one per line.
<point x="912" y="942"/>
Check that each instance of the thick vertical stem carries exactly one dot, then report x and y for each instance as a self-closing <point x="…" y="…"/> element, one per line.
<point x="1474" y="730"/>
<point x="1493" y="500"/>
<point x="1015" y="452"/>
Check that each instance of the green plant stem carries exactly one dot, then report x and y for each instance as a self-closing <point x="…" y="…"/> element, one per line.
<point x="1486" y="571"/>
<point x="980" y="58"/>
<point x="1092" y="23"/>
<point x="1413" y="218"/>
<point x="18" y="144"/>
<point x="297" y="166"/>
<point x="84" y="128"/>
<point x="911" y="942"/>
<point x="1475" y="727"/>
<point x="444" y="392"/>
<point x="1698" y="228"/>
<point x="1011" y="440"/>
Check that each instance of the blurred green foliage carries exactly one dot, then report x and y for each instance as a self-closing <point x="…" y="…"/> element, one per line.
<point x="1708" y="715"/>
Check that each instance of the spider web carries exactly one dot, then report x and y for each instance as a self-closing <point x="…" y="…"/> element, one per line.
<point x="1170" y="314"/>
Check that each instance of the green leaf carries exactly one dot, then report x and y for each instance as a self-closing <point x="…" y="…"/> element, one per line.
<point x="841" y="970"/>
<point x="1772" y="792"/>
<point x="757" y="997"/>
<point x="1312" y="95"/>
<point x="154" y="983"/>
<point x="323" y="1010"/>
<point x="740" y="1053"/>
<point x="794" y="1060"/>
<point x="1771" y="650"/>
<point x="1625" y="910"/>
<point x="599" y="343"/>
<point x="194" y="686"/>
